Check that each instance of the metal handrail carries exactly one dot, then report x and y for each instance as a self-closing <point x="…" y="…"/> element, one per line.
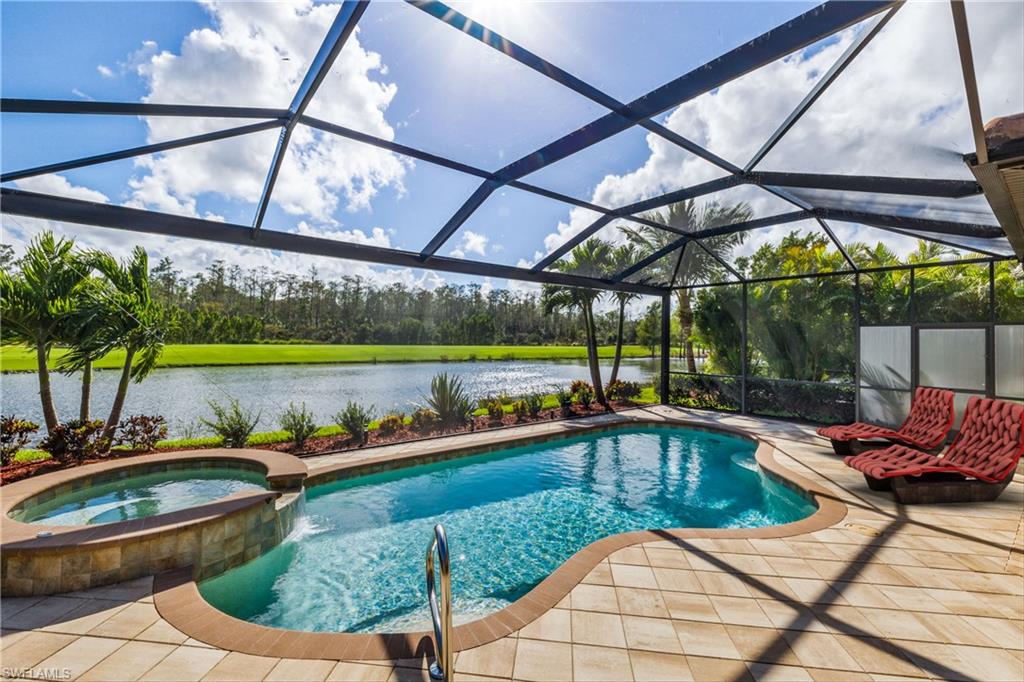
<point x="441" y="668"/>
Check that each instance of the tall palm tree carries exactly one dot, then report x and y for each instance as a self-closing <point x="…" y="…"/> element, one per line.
<point x="687" y="216"/>
<point x="80" y="326"/>
<point x="124" y="317"/>
<point x="622" y="257"/>
<point x="36" y="301"/>
<point x="589" y="259"/>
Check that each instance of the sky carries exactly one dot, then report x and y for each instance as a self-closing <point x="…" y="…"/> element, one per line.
<point x="899" y="109"/>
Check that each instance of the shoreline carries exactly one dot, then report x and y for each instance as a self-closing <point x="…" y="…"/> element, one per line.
<point x="23" y="360"/>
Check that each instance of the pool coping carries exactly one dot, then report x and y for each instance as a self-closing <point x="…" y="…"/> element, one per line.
<point x="282" y="471"/>
<point x="179" y="602"/>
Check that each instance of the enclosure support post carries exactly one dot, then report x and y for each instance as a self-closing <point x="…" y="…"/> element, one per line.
<point x="856" y="346"/>
<point x="990" y="334"/>
<point x="743" y="351"/>
<point x="666" y="334"/>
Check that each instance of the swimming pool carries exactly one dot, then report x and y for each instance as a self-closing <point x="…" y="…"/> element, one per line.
<point x="355" y="563"/>
<point x="138" y="496"/>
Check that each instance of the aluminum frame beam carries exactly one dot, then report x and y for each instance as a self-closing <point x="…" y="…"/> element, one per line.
<point x="343" y="26"/>
<point x="47" y="207"/>
<point x="140" y="151"/>
<point x="804" y="30"/>
<point x="819" y="88"/>
<point x="14" y="105"/>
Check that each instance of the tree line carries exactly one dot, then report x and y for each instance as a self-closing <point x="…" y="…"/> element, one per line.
<point x="226" y="303"/>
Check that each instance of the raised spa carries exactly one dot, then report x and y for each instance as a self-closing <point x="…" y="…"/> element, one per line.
<point x="355" y="563"/>
<point x="137" y="496"/>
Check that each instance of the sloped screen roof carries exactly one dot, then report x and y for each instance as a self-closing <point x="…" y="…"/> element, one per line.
<point x="564" y="134"/>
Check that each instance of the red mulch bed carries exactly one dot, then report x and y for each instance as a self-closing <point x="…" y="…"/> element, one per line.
<point x="316" y="446"/>
<point x="16" y="471"/>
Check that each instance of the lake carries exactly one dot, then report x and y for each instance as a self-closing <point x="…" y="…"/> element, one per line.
<point x="181" y="394"/>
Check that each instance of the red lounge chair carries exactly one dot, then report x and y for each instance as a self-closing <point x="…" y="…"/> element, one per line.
<point x="976" y="467"/>
<point x="930" y="419"/>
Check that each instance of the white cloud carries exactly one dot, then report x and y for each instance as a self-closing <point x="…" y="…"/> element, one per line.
<point x="59" y="186"/>
<point x="256" y="54"/>
<point x="899" y="109"/>
<point x="105" y="71"/>
<point x="472" y="242"/>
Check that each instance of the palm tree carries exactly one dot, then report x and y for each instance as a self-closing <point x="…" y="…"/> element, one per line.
<point x="589" y="259"/>
<point x="124" y="316"/>
<point x="700" y="266"/>
<point x="37" y="301"/>
<point x="79" y="326"/>
<point x="622" y="257"/>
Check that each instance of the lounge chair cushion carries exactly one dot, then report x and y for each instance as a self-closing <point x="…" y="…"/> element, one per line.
<point x="930" y="418"/>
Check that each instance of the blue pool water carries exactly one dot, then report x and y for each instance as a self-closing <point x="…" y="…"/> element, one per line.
<point x="139" y="496"/>
<point x="355" y="563"/>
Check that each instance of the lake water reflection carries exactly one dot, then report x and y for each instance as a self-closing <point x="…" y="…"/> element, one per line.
<point x="181" y="394"/>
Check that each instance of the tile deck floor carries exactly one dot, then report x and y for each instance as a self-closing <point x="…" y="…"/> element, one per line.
<point x="889" y="593"/>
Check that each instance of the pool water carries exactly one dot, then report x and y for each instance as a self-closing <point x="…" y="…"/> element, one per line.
<point x="356" y="560"/>
<point x="139" y="496"/>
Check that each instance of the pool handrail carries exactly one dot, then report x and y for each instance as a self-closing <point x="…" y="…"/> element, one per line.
<point x="441" y="668"/>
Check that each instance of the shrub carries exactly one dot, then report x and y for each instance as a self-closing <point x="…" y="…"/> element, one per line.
<point x="495" y="411"/>
<point x="584" y="395"/>
<point x="356" y="420"/>
<point x="424" y="420"/>
<point x="232" y="423"/>
<point x="577" y="385"/>
<point x="14" y="435"/>
<point x="76" y="440"/>
<point x="564" y="399"/>
<point x="521" y="410"/>
<point x="141" y="432"/>
<point x="449" y="400"/>
<point x="299" y="423"/>
<point x="391" y="423"/>
<point x="623" y="390"/>
<point x="534" y="403"/>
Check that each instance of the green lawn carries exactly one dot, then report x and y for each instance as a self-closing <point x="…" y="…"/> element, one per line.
<point x="13" y="359"/>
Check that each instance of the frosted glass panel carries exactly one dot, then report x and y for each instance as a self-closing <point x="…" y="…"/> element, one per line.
<point x="885" y="357"/>
<point x="952" y="358"/>
<point x="888" y="408"/>
<point x="1010" y="361"/>
<point x="959" y="406"/>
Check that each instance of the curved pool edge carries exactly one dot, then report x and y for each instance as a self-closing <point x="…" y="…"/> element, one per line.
<point x="178" y="600"/>
<point x="208" y="537"/>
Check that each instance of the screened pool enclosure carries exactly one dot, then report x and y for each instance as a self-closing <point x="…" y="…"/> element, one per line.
<point x="801" y="273"/>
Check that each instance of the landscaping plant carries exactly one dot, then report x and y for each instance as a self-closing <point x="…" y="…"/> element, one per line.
<point x="299" y="423"/>
<point x="14" y="435"/>
<point x="534" y="403"/>
<point x="424" y="420"/>
<point x="584" y="395"/>
<point x="355" y="419"/>
<point x="495" y="411"/>
<point x="622" y="390"/>
<point x="564" y="399"/>
<point x="74" y="441"/>
<point x="232" y="423"/>
<point x="449" y="400"/>
<point x="141" y="432"/>
<point x="391" y="424"/>
<point x="521" y="410"/>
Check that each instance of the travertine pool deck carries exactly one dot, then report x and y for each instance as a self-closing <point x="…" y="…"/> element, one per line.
<point x="886" y="592"/>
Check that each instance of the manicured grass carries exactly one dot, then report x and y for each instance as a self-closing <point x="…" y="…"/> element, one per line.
<point x="13" y="359"/>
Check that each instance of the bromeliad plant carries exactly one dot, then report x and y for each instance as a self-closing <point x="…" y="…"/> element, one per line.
<point x="299" y="423"/>
<point x="564" y="399"/>
<point x="534" y="403"/>
<point x="449" y="400"/>
<point x="355" y="419"/>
